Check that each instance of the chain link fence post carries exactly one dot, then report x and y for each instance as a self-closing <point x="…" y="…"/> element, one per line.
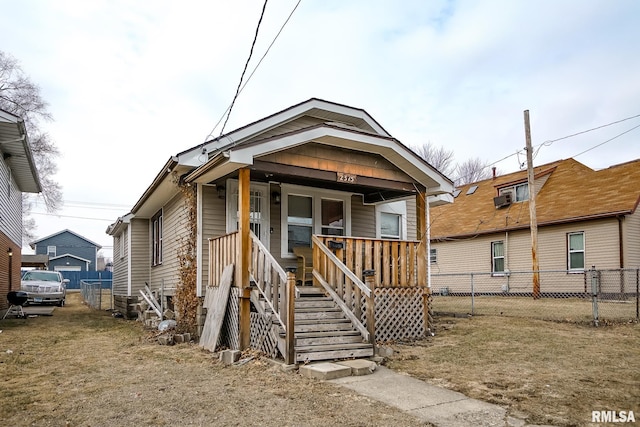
<point x="472" y="297"/>
<point x="594" y="294"/>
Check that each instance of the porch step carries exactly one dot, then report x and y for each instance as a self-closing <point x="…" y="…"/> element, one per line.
<point x="333" y="351"/>
<point x="322" y="331"/>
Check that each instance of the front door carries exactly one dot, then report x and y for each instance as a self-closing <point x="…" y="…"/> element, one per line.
<point x="259" y="209"/>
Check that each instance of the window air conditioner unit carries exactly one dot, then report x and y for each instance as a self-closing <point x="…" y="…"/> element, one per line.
<point x="503" y="200"/>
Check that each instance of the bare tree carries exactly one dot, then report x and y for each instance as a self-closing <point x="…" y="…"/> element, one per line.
<point x="471" y="170"/>
<point x="20" y="96"/>
<point x="438" y="157"/>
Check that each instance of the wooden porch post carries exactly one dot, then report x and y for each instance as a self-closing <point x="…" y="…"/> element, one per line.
<point x="243" y="258"/>
<point x="290" y="357"/>
<point x="421" y="234"/>
<point x="369" y="279"/>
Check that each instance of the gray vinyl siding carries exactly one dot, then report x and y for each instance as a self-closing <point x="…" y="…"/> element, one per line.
<point x="10" y="206"/>
<point x="140" y="257"/>
<point x="173" y="230"/>
<point x="213" y="225"/>
<point x="631" y="228"/>
<point x="363" y="218"/>
<point x="120" y="263"/>
<point x="412" y="219"/>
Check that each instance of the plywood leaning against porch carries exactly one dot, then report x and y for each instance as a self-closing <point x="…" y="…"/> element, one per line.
<point x="216" y="304"/>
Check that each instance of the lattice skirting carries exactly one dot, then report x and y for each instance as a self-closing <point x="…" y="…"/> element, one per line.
<point x="229" y="336"/>
<point x="263" y="337"/>
<point x="399" y="313"/>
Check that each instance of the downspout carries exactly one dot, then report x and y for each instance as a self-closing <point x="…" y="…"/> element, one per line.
<point x="199" y="238"/>
<point x="428" y="209"/>
<point x="620" y="242"/>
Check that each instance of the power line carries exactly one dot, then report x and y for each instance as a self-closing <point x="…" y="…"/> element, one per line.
<point x="255" y="68"/>
<point x="608" y="140"/>
<point x="246" y="65"/>
<point x="70" y="216"/>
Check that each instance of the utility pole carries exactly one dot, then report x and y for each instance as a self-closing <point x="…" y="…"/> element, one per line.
<point x="532" y="208"/>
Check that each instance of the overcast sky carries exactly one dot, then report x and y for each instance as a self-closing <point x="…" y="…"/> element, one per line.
<point x="131" y="83"/>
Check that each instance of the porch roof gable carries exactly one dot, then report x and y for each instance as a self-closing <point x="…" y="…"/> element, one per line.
<point x="235" y="156"/>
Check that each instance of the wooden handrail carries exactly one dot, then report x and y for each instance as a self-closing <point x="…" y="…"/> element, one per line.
<point x="338" y="263"/>
<point x="262" y="265"/>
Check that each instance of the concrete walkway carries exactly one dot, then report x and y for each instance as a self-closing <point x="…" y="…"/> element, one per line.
<point x="435" y="405"/>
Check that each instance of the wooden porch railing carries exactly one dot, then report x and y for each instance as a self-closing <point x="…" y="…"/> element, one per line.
<point x="396" y="262"/>
<point x="275" y="285"/>
<point x="345" y="288"/>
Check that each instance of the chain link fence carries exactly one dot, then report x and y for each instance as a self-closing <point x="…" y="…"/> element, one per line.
<point x="97" y="294"/>
<point x="591" y="296"/>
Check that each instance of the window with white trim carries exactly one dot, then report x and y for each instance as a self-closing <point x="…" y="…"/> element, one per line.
<point x="307" y="211"/>
<point x="156" y="238"/>
<point x="51" y="251"/>
<point x="390" y="225"/>
<point x="497" y="257"/>
<point x="299" y="221"/>
<point x="519" y="192"/>
<point x="575" y="255"/>
<point x="391" y="220"/>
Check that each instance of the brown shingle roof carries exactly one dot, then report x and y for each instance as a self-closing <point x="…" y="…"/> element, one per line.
<point x="571" y="192"/>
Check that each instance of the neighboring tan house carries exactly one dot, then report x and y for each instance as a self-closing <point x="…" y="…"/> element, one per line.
<point x="18" y="175"/>
<point x="315" y="169"/>
<point x="585" y="218"/>
<point x="68" y="251"/>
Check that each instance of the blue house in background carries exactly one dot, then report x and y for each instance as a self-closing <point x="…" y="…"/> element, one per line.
<point x="68" y="251"/>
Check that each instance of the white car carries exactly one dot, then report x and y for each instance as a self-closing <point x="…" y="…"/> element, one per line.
<point x="44" y="287"/>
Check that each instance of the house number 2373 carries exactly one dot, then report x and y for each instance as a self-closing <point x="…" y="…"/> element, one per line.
<point x="346" y="177"/>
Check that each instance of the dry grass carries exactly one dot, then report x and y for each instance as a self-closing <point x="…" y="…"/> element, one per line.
<point x="82" y="367"/>
<point x="577" y="310"/>
<point x="555" y="373"/>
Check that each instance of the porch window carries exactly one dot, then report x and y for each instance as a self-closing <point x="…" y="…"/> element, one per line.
<point x="497" y="255"/>
<point x="433" y="256"/>
<point x="300" y="221"/>
<point x="575" y="254"/>
<point x="156" y="238"/>
<point x="51" y="251"/>
<point x="390" y="225"/>
<point x="332" y="217"/>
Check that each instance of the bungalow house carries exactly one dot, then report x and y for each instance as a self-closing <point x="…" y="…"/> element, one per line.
<point x="18" y="175"/>
<point x="319" y="179"/>
<point x="68" y="251"/>
<point x="585" y="218"/>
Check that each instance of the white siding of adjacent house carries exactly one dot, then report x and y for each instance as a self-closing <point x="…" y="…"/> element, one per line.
<point x="473" y="255"/>
<point x="631" y="239"/>
<point x="10" y="206"/>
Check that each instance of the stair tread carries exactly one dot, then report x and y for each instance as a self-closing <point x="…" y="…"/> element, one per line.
<point x="318" y="334"/>
<point x="341" y="320"/>
<point x="327" y="347"/>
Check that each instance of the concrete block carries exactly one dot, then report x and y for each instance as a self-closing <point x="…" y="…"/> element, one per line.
<point x="165" y="340"/>
<point x="229" y="356"/>
<point x="178" y="338"/>
<point x="325" y="371"/>
<point x="187" y="337"/>
<point x="169" y="314"/>
<point x="359" y="366"/>
<point x="385" y="351"/>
